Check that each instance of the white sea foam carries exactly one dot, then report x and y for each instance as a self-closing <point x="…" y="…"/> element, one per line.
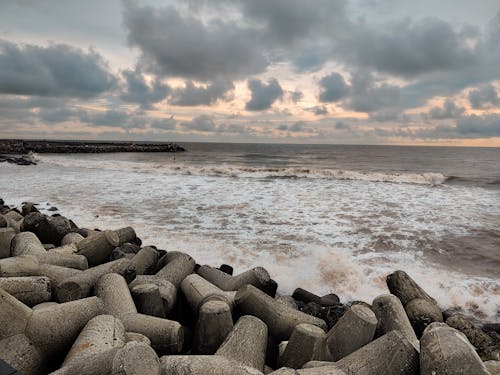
<point x="245" y="171"/>
<point x="325" y="234"/>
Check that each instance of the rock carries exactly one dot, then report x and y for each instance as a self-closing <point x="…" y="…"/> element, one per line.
<point x="444" y="350"/>
<point x="476" y="336"/>
<point x="29" y="207"/>
<point x="53" y="209"/>
<point x="421" y="308"/>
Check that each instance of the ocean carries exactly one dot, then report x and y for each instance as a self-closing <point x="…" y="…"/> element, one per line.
<point x="328" y="218"/>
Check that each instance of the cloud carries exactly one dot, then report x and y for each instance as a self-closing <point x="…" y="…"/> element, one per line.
<point x="192" y="95"/>
<point x="449" y="110"/>
<point x="165" y="123"/>
<point x="319" y="110"/>
<point x="181" y="45"/>
<point x="263" y="95"/>
<point x="483" y="97"/>
<point x="57" y="70"/>
<point x="204" y="123"/>
<point x="296" y="96"/>
<point x="296" y="127"/>
<point x="407" y="49"/>
<point x="139" y="91"/>
<point x="333" y="88"/>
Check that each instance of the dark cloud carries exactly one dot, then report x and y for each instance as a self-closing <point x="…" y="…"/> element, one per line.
<point x="448" y="110"/>
<point x="204" y="123"/>
<point x="139" y="91"/>
<point x="333" y="88"/>
<point x="263" y="95"/>
<point x="181" y="45"/>
<point x="57" y="70"/>
<point x="407" y="49"/>
<point x="483" y="97"/>
<point x="192" y="95"/>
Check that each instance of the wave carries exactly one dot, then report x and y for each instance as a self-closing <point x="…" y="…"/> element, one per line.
<point x="235" y="171"/>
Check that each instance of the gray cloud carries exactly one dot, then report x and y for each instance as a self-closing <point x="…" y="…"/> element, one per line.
<point x="263" y="95"/>
<point x="164" y="123"/>
<point x="449" y="110"/>
<point x="203" y="123"/>
<point x="333" y="88"/>
<point x="407" y="49"/>
<point x="140" y="92"/>
<point x="192" y="95"/>
<point x="57" y="70"/>
<point x="483" y="97"/>
<point x="182" y="45"/>
<point x="319" y="110"/>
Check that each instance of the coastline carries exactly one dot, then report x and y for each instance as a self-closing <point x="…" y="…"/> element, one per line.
<point x="107" y="254"/>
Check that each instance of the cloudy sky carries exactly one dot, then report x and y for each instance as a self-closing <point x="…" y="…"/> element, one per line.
<point x="318" y="71"/>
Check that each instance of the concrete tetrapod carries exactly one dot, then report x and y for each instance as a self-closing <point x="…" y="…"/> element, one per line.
<point x="71" y="238"/>
<point x="392" y="316"/>
<point x="34" y="337"/>
<point x="166" y="336"/>
<point x="329" y="369"/>
<point x="98" y="247"/>
<point x="28" y="244"/>
<point x="354" y="329"/>
<point x="203" y="365"/>
<point x="19" y="266"/>
<point x="444" y="350"/>
<point x="389" y="354"/>
<point x="145" y="260"/>
<point x="168" y="291"/>
<point x="148" y="300"/>
<point x="246" y="343"/>
<point x="421" y="308"/>
<point x="6" y="236"/>
<point x="100" y="334"/>
<point x="307" y="343"/>
<point x="30" y="290"/>
<point x="80" y="285"/>
<point x="135" y="358"/>
<point x="280" y="319"/>
<point x="178" y="266"/>
<point x="213" y="325"/>
<point x="197" y="291"/>
<point x="258" y="277"/>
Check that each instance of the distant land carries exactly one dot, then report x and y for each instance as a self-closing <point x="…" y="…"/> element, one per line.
<point x="19" y="146"/>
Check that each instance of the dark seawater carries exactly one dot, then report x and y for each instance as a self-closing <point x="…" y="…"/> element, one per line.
<point x="324" y="217"/>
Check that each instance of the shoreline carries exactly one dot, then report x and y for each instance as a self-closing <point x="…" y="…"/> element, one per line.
<point x="172" y="287"/>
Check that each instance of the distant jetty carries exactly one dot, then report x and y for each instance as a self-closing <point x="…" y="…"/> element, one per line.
<point x="16" y="146"/>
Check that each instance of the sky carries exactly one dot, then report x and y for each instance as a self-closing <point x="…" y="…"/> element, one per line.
<point x="280" y="71"/>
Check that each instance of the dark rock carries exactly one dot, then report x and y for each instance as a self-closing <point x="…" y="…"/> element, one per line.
<point x="48" y="230"/>
<point x="332" y="314"/>
<point x="329" y="300"/>
<point x="226" y="269"/>
<point x="270" y="288"/>
<point x="305" y="296"/>
<point x="28" y="208"/>
<point x="53" y="209"/>
<point x="314" y="309"/>
<point x="475" y="335"/>
<point x="491" y="327"/>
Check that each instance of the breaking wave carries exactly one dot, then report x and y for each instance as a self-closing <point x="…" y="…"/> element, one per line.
<point x="430" y="178"/>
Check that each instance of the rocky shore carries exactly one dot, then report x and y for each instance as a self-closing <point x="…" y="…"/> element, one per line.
<point x="12" y="147"/>
<point x="96" y="302"/>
